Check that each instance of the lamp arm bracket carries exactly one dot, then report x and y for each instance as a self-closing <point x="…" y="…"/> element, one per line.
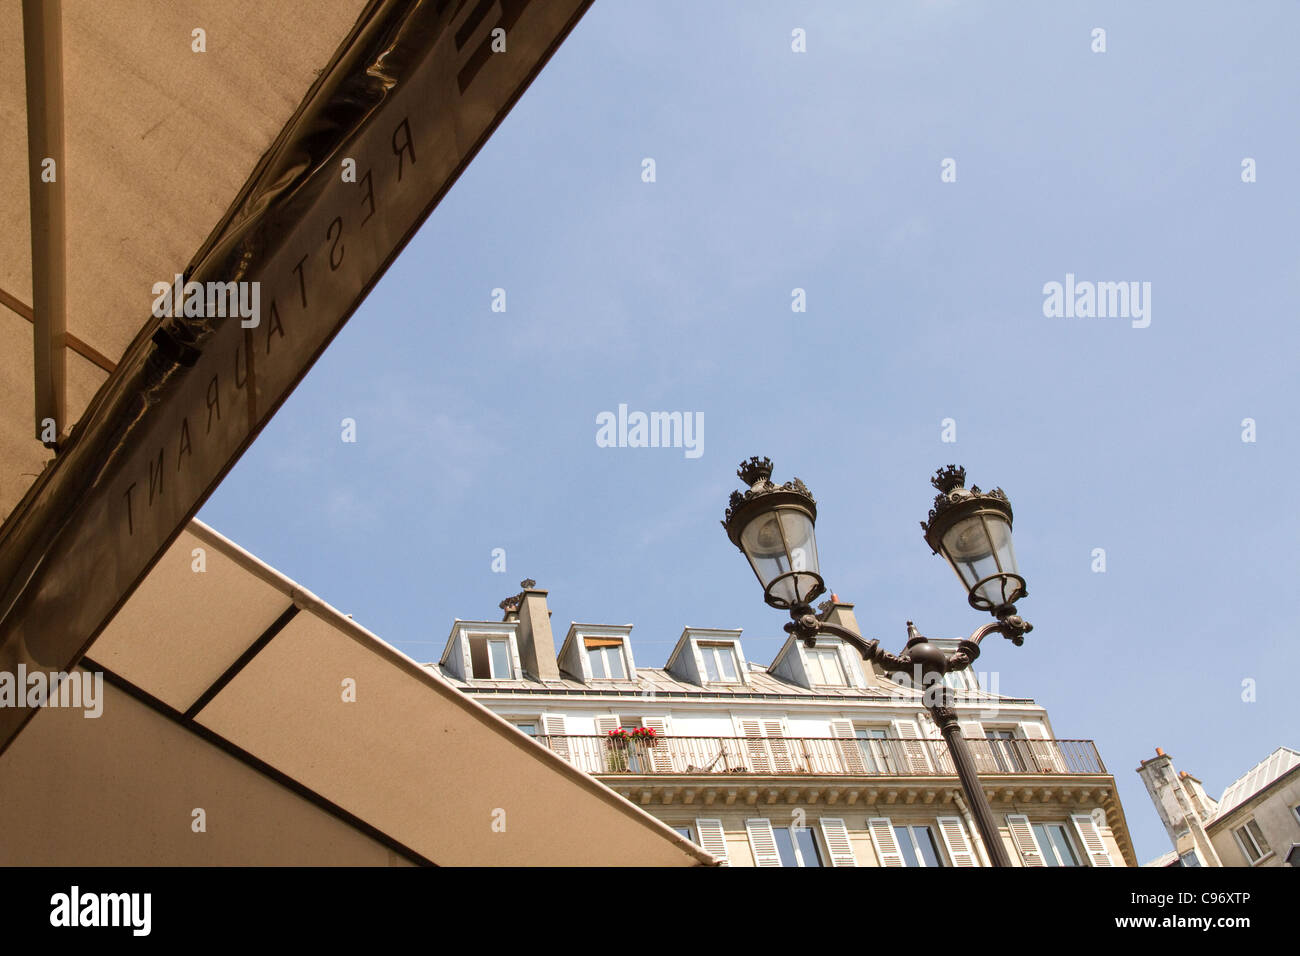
<point x="1011" y="626"/>
<point x="807" y="626"/>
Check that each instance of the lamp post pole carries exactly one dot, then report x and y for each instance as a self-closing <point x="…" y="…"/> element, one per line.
<point x="773" y="525"/>
<point x="946" y="718"/>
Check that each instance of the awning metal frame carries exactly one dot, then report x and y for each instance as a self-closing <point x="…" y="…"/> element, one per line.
<point x="43" y="59"/>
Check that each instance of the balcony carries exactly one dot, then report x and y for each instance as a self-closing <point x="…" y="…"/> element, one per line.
<point x="829" y="756"/>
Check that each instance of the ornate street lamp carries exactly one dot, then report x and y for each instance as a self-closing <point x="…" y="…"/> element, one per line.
<point x="773" y="525"/>
<point x="972" y="530"/>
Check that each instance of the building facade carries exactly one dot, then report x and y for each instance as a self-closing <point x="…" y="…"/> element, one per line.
<point x="1256" y="822"/>
<point x="817" y="759"/>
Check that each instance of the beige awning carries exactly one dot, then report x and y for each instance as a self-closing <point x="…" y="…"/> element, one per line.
<point x="298" y="151"/>
<point x="159" y="140"/>
<point x="302" y="738"/>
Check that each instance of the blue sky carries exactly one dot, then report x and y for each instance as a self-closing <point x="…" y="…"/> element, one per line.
<point x="777" y="170"/>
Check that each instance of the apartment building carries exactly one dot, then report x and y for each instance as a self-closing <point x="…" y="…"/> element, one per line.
<point x="816" y="759"/>
<point x="1255" y="822"/>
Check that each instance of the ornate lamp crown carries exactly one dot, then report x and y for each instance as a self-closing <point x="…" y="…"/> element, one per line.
<point x="946" y="479"/>
<point x="950" y="482"/>
<point x="755" y="470"/>
<point x="757" y="473"/>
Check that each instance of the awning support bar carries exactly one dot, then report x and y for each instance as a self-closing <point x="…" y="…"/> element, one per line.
<point x="43" y="55"/>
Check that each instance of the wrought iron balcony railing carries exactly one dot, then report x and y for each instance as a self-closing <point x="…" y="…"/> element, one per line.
<point x="871" y="757"/>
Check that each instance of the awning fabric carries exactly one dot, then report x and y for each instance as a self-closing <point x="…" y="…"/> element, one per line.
<point x="301" y="736"/>
<point x="229" y="165"/>
<point x="159" y="141"/>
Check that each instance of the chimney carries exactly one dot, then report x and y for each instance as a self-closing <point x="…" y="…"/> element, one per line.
<point x="536" y="645"/>
<point x="835" y="610"/>
<point x="1182" y="806"/>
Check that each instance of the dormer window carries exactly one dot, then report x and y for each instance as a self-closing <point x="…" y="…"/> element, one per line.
<point x="605" y="658"/>
<point x="597" y="652"/>
<point x="720" y="665"/>
<point x="490" y="658"/>
<point x="483" y="650"/>
<point x="824" y="666"/>
<point x="705" y="656"/>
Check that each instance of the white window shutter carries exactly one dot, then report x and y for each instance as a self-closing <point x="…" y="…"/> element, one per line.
<point x="1047" y="756"/>
<point x="605" y="723"/>
<point x="849" y="749"/>
<point x="913" y="749"/>
<point x="886" y="844"/>
<point x="598" y="753"/>
<point x="836" y="836"/>
<point x="755" y="747"/>
<point x="1090" y="837"/>
<point x="782" y="759"/>
<point x="713" y="839"/>
<point x="954" y="838"/>
<point x="980" y="746"/>
<point x="661" y="754"/>
<point x="553" y="729"/>
<point x="763" y="842"/>
<point x="1022" y="835"/>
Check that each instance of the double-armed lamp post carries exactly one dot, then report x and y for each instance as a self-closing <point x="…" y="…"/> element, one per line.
<point x="774" y="526"/>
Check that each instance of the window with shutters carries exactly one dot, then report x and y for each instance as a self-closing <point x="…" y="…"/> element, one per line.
<point x="605" y="658"/>
<point x="1008" y="754"/>
<point x="852" y="758"/>
<point x="873" y="741"/>
<point x="720" y="663"/>
<point x="797" y="846"/>
<point x="1044" y="756"/>
<point x="765" y="745"/>
<point x="1055" y="845"/>
<point x="918" y="846"/>
<point x="1022" y="835"/>
<point x="688" y="832"/>
<point x="1251" y="840"/>
<point x="913" y="757"/>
